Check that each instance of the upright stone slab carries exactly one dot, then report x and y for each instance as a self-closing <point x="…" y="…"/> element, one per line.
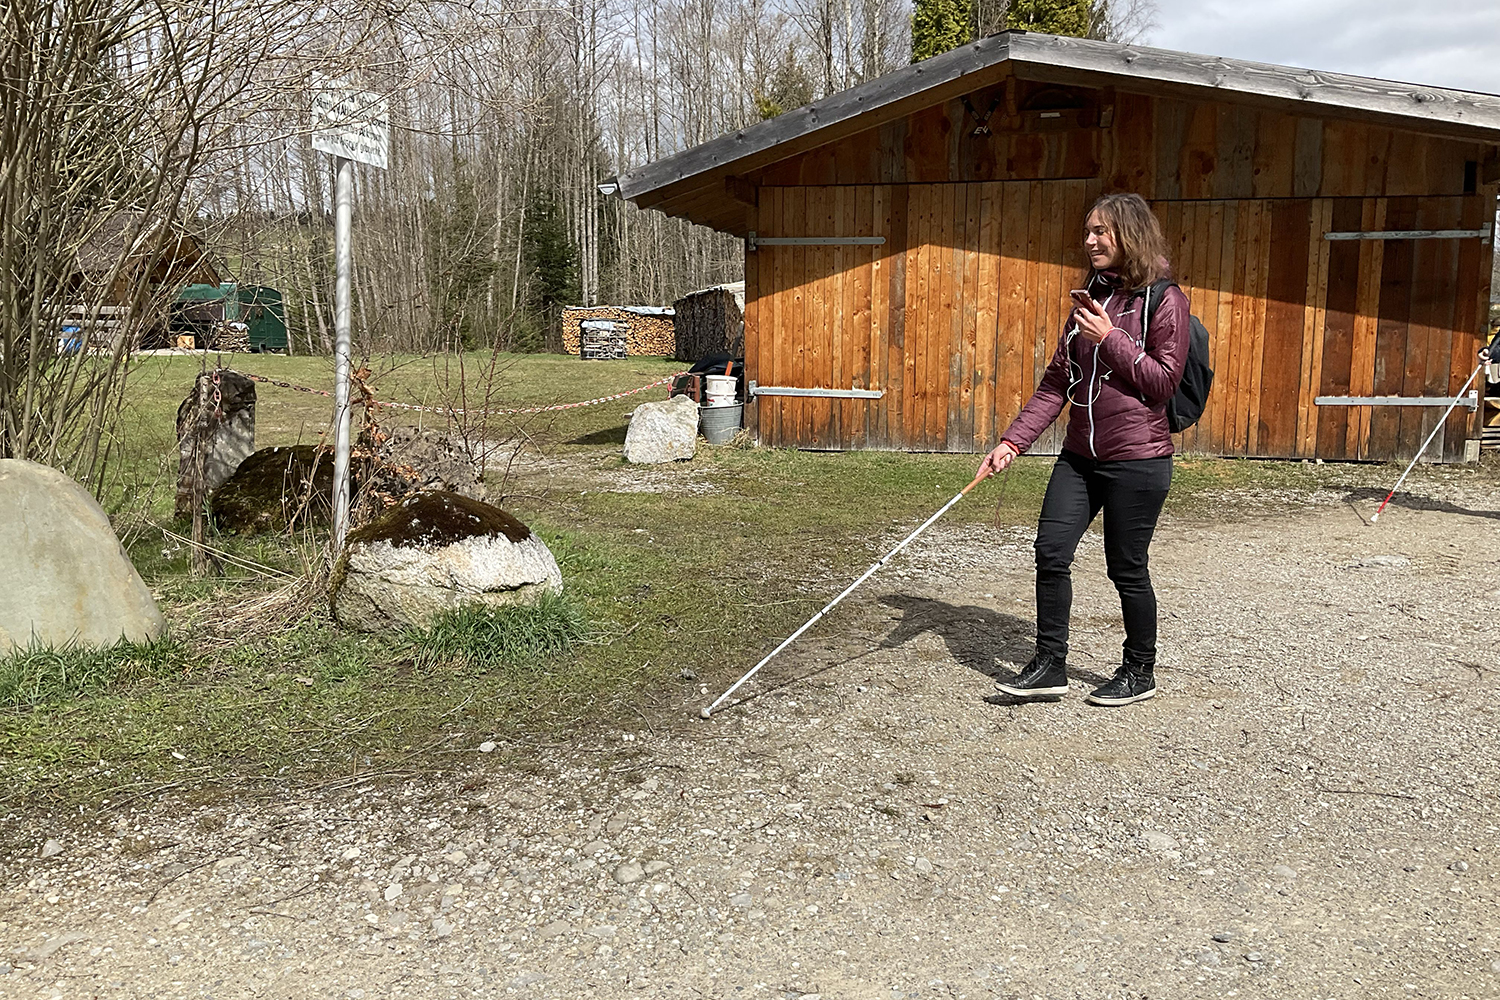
<point x="65" y="576"/>
<point x="662" y="432"/>
<point x="223" y="431"/>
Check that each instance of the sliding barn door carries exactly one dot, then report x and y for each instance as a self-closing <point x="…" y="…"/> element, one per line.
<point x="953" y="318"/>
<point x="1294" y="316"/>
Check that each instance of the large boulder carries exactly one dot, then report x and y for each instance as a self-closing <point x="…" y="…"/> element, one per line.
<point x="434" y="552"/>
<point x="66" y="577"/>
<point x="662" y="432"/>
<point x="277" y="488"/>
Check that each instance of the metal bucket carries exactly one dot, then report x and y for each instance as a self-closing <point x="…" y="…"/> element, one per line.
<point x="720" y="423"/>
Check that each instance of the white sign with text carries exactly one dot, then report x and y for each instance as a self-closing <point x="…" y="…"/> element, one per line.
<point x="354" y="124"/>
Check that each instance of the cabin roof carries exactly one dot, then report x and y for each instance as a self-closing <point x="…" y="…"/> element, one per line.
<point x="683" y="182"/>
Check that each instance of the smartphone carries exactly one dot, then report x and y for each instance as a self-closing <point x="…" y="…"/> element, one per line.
<point x="1083" y="298"/>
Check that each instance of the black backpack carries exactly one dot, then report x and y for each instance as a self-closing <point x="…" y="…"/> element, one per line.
<point x="1186" y="404"/>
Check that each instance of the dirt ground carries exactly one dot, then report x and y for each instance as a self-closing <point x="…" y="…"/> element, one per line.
<point x="1307" y="810"/>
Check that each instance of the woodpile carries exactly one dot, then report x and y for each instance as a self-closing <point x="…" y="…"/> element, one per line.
<point x="648" y="329"/>
<point x="711" y="321"/>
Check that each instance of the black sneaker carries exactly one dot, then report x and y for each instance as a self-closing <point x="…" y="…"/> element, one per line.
<point x="1131" y="683"/>
<point x="1044" y="677"/>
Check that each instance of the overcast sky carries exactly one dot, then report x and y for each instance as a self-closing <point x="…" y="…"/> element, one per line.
<point x="1443" y="43"/>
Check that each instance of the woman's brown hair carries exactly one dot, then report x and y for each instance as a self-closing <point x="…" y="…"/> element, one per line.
<point x="1139" y="236"/>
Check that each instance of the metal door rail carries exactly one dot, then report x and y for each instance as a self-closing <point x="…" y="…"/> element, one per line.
<point x="1483" y="233"/>
<point x="1471" y="401"/>
<point x="787" y="390"/>
<point x="752" y="241"/>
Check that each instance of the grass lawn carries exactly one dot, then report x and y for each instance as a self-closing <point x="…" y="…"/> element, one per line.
<point x="684" y="575"/>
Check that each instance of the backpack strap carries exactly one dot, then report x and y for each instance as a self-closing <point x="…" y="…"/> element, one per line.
<point x="1154" y="293"/>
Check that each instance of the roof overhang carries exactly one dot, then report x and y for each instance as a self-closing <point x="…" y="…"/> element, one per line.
<point x="696" y="177"/>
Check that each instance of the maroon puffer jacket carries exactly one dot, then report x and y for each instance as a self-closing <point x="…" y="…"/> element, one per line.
<point x="1119" y="389"/>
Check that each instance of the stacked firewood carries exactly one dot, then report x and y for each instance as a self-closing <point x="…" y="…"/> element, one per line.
<point x="646" y="333"/>
<point x="710" y="322"/>
<point x="230" y="337"/>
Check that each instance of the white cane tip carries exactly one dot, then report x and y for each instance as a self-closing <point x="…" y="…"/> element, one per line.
<point x="703" y="713"/>
<point x="1374" y="518"/>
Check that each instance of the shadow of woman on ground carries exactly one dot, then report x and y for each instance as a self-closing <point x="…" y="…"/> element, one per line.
<point x="986" y="641"/>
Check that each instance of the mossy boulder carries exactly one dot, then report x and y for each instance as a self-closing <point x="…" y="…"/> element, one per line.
<point x="433" y="552"/>
<point x="275" y="489"/>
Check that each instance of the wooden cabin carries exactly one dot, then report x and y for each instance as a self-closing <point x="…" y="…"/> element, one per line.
<point x="910" y="243"/>
<point x="134" y="265"/>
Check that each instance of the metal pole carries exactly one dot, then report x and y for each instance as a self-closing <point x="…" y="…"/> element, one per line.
<point x="343" y="216"/>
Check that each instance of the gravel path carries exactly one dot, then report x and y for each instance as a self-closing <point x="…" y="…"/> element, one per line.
<point x="1307" y="810"/>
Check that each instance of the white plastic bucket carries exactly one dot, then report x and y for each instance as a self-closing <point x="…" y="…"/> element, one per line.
<point x="720" y="389"/>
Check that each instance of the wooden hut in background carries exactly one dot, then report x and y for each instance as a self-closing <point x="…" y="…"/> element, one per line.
<point x="133" y="262"/>
<point x="710" y="321"/>
<point x="910" y="243"/>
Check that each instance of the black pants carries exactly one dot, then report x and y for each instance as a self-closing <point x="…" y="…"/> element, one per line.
<point x="1131" y="494"/>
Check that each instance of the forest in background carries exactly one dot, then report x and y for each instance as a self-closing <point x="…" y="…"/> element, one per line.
<point x="506" y="119"/>
<point x="126" y="122"/>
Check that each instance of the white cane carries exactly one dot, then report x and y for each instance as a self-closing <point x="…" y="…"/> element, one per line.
<point x="708" y="711"/>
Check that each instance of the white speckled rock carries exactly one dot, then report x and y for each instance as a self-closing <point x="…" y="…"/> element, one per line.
<point x="662" y="432"/>
<point x="435" y="552"/>
<point x="66" y="576"/>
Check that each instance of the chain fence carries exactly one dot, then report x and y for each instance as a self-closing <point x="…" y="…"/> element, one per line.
<point x="370" y="399"/>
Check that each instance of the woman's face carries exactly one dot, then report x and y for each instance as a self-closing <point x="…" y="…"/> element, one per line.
<point x="1100" y="244"/>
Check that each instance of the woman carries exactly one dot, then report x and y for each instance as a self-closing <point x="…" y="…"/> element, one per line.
<point x="1118" y="363"/>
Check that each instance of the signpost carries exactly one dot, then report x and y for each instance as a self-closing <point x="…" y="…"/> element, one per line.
<point x="354" y="126"/>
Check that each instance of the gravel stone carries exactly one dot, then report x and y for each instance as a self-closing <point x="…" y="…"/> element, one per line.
<point x="1158" y="842"/>
<point x="821" y="804"/>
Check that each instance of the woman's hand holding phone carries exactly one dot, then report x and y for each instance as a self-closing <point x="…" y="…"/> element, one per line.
<point x="1089" y="316"/>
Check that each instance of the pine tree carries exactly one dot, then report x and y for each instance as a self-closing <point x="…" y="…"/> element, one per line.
<point x="552" y="261"/>
<point x="940" y="25"/>
<point x="1079" y="18"/>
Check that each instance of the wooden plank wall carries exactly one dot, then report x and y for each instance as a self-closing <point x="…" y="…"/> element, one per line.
<point x="1292" y="316"/>
<point x="956" y="316"/>
<point x="919" y="317"/>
